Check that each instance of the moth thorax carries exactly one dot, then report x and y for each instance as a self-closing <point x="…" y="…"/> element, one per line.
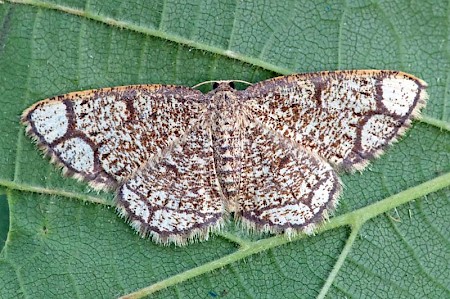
<point x="225" y="100"/>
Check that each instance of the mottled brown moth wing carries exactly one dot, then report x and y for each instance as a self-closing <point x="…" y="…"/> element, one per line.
<point x="181" y="160"/>
<point x="285" y="188"/>
<point x="103" y="136"/>
<point x="346" y="117"/>
<point x="177" y="197"/>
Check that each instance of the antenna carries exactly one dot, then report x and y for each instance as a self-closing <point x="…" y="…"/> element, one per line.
<point x="221" y="81"/>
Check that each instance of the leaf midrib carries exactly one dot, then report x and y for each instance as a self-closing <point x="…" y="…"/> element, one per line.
<point x="355" y="220"/>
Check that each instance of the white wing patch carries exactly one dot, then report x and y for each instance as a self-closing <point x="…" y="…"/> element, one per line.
<point x="50" y="121"/>
<point x="76" y="154"/>
<point x="399" y="95"/>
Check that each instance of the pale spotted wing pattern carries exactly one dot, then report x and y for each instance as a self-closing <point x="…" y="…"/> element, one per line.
<point x="104" y="135"/>
<point x="285" y="188"/>
<point x="346" y="117"/>
<point x="180" y="160"/>
<point x="176" y="197"/>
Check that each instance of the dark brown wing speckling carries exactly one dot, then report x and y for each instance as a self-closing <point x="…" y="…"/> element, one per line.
<point x="102" y="136"/>
<point x="346" y="117"/>
<point x="180" y="161"/>
<point x="177" y="197"/>
<point x="285" y="188"/>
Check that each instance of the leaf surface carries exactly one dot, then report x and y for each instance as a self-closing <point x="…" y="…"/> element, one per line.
<point x="65" y="240"/>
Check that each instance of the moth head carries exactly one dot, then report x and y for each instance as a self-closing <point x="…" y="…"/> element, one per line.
<point x="225" y="85"/>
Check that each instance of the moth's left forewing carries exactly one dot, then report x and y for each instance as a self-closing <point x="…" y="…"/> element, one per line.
<point x="346" y="117"/>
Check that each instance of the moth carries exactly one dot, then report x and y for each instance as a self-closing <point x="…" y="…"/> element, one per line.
<point x="181" y="161"/>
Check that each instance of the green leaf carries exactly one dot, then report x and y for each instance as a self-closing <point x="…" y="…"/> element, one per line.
<point x="390" y="235"/>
